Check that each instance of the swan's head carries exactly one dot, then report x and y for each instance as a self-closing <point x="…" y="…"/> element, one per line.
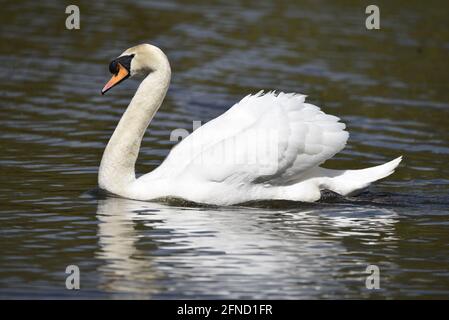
<point x="136" y="61"/>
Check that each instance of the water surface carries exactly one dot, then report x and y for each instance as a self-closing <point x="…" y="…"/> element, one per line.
<point x="389" y="86"/>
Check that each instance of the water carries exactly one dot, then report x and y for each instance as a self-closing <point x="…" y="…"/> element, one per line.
<point x="389" y="86"/>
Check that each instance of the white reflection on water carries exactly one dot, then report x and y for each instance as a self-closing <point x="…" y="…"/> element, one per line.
<point x="156" y="250"/>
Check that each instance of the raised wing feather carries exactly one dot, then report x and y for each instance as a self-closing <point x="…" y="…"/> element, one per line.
<point x="265" y="138"/>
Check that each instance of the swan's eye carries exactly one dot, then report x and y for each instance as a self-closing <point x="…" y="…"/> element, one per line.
<point x="113" y="67"/>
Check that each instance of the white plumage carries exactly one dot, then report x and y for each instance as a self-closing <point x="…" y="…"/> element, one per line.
<point x="267" y="146"/>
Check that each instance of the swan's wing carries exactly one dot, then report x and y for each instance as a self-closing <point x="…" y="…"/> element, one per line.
<point x="272" y="138"/>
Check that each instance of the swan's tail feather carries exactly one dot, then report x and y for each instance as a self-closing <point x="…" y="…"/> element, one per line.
<point x="350" y="182"/>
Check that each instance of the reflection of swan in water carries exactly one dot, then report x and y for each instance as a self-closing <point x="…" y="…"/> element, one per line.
<point x="155" y="250"/>
<point x="127" y="268"/>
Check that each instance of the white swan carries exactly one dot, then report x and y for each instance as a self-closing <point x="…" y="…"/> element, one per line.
<point x="267" y="146"/>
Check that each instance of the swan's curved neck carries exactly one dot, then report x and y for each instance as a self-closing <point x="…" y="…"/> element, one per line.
<point x="117" y="171"/>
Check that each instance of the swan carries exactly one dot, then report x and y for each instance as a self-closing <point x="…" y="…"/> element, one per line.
<point x="268" y="146"/>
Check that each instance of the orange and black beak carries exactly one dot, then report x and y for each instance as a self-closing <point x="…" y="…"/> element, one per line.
<point x="121" y="75"/>
<point x="120" y="70"/>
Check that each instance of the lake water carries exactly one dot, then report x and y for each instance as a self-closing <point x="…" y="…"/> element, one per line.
<point x="390" y="86"/>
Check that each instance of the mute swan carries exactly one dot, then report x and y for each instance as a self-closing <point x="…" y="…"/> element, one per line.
<point x="266" y="147"/>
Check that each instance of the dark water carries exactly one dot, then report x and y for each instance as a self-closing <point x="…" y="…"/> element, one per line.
<point x="389" y="86"/>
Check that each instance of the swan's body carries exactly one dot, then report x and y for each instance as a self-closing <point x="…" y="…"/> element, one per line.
<point x="267" y="146"/>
